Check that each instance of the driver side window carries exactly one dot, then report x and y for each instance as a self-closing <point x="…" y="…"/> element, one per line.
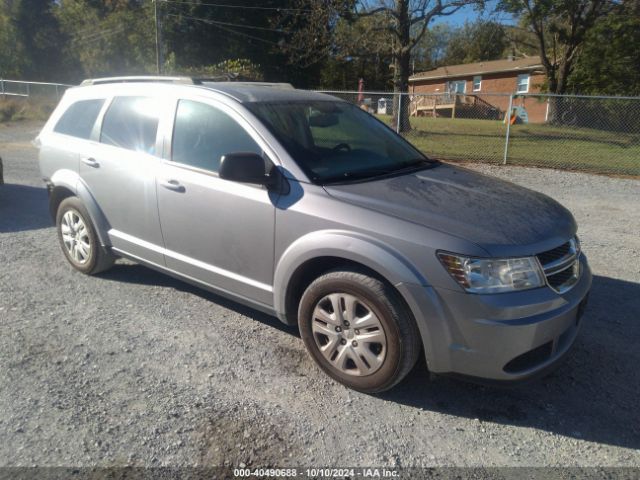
<point x="203" y="134"/>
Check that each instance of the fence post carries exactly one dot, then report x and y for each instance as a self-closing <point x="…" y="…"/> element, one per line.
<point x="399" y="112"/>
<point x="508" y="119"/>
<point x="2" y="86"/>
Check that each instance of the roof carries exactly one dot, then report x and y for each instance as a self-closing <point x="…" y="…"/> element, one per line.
<point x="239" y="91"/>
<point x="479" y="68"/>
<point x="248" y="92"/>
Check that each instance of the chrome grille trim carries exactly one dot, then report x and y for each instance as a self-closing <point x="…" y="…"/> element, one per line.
<point x="558" y="260"/>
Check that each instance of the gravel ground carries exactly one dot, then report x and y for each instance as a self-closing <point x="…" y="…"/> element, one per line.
<point x="134" y="368"/>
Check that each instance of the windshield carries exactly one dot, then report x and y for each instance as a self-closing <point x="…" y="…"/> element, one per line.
<point x="336" y="141"/>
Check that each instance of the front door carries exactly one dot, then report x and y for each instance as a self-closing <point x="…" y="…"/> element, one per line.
<point x="215" y="231"/>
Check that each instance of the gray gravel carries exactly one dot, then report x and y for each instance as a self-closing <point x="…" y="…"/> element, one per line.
<point x="133" y="367"/>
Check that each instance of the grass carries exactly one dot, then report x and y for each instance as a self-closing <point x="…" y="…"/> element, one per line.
<point x="14" y="109"/>
<point x="530" y="144"/>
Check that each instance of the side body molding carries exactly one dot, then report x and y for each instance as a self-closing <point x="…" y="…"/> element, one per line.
<point x="342" y="244"/>
<point x="73" y="182"/>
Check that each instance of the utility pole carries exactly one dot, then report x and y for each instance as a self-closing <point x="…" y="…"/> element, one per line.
<point x="159" y="59"/>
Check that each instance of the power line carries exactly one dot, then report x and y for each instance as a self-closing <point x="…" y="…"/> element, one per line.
<point x="238" y="25"/>
<point x="97" y="34"/>
<point x="219" y="25"/>
<point x="101" y="35"/>
<point x="224" y="27"/>
<point x="245" y="7"/>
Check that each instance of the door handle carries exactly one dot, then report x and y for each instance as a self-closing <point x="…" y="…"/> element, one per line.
<point x="172" y="185"/>
<point x="92" y="162"/>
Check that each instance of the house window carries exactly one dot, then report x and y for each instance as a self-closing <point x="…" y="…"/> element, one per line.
<point x="477" y="83"/>
<point x="457" y="86"/>
<point x="523" y="83"/>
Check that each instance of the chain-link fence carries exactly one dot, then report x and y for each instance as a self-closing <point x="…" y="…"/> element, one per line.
<point x="597" y="134"/>
<point x="28" y="100"/>
<point x="590" y="133"/>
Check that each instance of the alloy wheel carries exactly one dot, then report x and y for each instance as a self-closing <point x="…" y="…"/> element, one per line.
<point x="75" y="237"/>
<point x="349" y="334"/>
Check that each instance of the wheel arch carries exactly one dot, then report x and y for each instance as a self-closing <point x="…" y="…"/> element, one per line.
<point x="312" y="255"/>
<point x="67" y="183"/>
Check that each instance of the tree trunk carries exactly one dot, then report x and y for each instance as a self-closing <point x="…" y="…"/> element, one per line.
<point x="402" y="64"/>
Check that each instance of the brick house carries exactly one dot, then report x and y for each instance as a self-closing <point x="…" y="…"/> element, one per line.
<point x="474" y="84"/>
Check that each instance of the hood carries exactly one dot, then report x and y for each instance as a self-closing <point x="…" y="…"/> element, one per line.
<point x="502" y="218"/>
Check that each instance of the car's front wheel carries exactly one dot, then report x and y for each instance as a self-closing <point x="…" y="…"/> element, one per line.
<point x="358" y="330"/>
<point x="78" y="238"/>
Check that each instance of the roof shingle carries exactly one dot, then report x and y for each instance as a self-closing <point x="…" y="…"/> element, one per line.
<point x="479" y="68"/>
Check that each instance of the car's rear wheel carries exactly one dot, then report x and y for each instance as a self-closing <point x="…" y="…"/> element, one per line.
<point x="78" y="238"/>
<point x="358" y="330"/>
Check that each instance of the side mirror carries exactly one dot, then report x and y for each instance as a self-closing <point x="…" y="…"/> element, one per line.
<point x="245" y="167"/>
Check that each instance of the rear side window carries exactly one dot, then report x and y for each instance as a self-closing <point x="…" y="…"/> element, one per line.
<point x="202" y="134"/>
<point x="131" y="123"/>
<point x="79" y="119"/>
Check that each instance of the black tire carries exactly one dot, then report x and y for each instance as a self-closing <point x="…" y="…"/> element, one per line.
<point x="98" y="259"/>
<point x="402" y="338"/>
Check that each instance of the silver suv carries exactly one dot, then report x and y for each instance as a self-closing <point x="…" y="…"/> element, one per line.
<point x="305" y="207"/>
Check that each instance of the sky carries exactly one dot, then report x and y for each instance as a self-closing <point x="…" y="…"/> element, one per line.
<point x="470" y="14"/>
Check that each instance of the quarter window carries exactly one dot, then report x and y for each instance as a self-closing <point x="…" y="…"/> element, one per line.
<point x="203" y="134"/>
<point x="523" y="83"/>
<point x="131" y="123"/>
<point x="79" y="119"/>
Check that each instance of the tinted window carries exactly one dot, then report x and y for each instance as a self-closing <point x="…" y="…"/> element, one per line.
<point x="335" y="141"/>
<point x="131" y="123"/>
<point x="79" y="118"/>
<point x="202" y="134"/>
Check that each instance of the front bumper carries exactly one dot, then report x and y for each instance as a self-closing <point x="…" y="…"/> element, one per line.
<point x="502" y="337"/>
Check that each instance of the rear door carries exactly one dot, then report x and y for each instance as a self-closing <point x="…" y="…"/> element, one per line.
<point x="61" y="147"/>
<point x="215" y="231"/>
<point x="119" y="168"/>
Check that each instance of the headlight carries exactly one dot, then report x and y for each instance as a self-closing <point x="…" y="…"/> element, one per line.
<point x="493" y="275"/>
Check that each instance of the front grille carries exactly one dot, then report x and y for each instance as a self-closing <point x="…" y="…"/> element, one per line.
<point x="561" y="265"/>
<point x="560" y="278"/>
<point x="554" y="254"/>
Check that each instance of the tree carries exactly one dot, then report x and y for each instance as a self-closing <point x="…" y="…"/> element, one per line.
<point x="560" y="28"/>
<point x="108" y="38"/>
<point x="199" y="32"/>
<point x="360" y="50"/>
<point x="407" y="21"/>
<point x="29" y="27"/>
<point x="476" y="42"/>
<point x="431" y="50"/>
<point x="11" y="52"/>
<point x="609" y="63"/>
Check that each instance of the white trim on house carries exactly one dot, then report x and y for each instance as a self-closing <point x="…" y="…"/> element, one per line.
<point x="523" y="82"/>
<point x="477" y="79"/>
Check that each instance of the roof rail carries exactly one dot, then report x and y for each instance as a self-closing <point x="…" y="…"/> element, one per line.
<point x="284" y="85"/>
<point x="183" y="80"/>
<point x="100" y="81"/>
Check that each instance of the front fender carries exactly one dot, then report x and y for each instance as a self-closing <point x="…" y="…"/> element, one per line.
<point x="73" y="182"/>
<point x="359" y="248"/>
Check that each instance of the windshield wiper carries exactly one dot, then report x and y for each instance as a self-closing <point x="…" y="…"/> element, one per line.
<point x="369" y="173"/>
